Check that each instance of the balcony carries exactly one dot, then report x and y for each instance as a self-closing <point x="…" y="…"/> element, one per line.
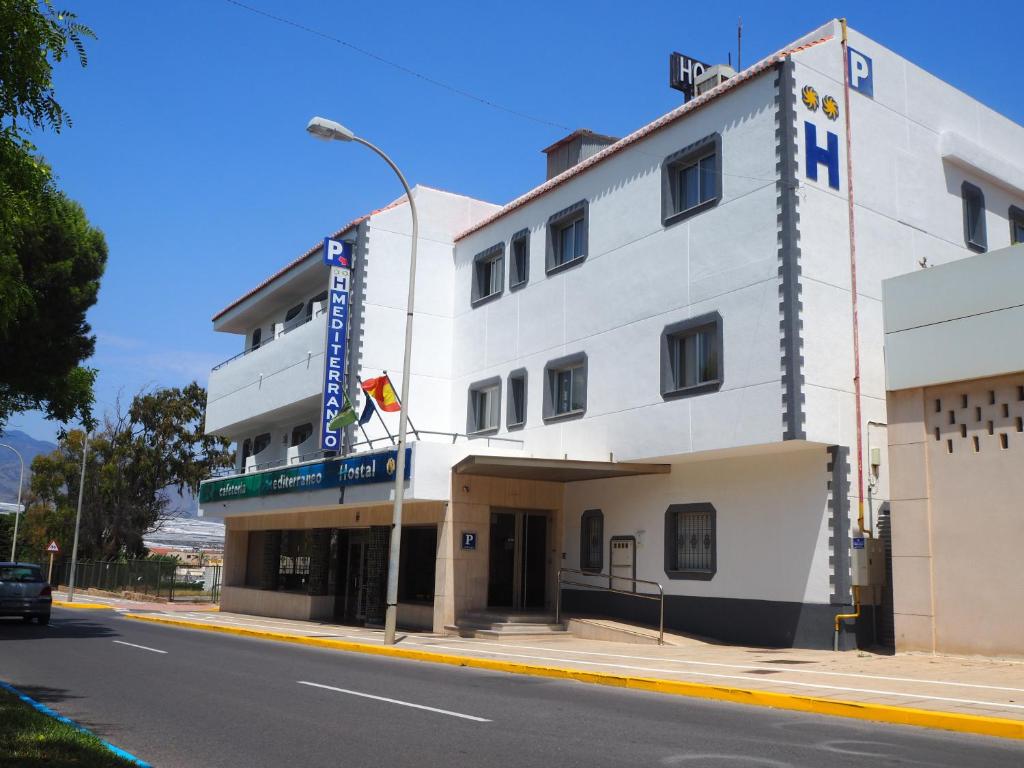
<point x="283" y="375"/>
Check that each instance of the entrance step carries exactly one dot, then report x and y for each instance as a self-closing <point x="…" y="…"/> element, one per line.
<point x="499" y="624"/>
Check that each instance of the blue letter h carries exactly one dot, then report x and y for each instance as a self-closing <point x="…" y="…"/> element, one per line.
<point x="816" y="155"/>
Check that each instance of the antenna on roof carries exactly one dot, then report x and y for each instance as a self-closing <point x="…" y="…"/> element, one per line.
<point x="739" y="45"/>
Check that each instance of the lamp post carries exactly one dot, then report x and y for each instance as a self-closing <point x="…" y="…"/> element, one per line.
<point x="328" y="130"/>
<point x="78" y="521"/>
<point x="17" y="511"/>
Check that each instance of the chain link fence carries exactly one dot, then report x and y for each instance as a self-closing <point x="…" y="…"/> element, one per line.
<point x="157" y="579"/>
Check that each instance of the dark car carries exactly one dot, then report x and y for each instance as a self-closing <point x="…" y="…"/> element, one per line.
<point x="24" y="592"/>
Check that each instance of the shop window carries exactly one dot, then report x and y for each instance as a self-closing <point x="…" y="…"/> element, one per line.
<point x="592" y="541"/>
<point x="293" y="572"/>
<point x="974" y="217"/>
<point x="691" y="356"/>
<point x="418" y="560"/>
<point x="690" y="541"/>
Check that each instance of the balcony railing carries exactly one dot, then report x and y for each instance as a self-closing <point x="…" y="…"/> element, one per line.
<point x="287" y="328"/>
<point x="368" y="444"/>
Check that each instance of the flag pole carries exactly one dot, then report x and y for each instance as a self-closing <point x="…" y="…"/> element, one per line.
<point x="411" y="425"/>
<point x="376" y="410"/>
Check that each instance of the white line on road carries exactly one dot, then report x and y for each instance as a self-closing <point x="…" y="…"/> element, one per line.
<point x="143" y="647"/>
<point x="396" y="701"/>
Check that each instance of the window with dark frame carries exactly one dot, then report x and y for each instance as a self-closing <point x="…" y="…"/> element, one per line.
<point x="418" y="560"/>
<point x="301" y="434"/>
<point x="568" y="386"/>
<point x="484" y="414"/>
<point x="691" y="179"/>
<point x="260" y="443"/>
<point x="294" y="312"/>
<point x="312" y="306"/>
<point x="975" y="235"/>
<point x="567" y="237"/>
<point x="592" y="541"/>
<point x="488" y="273"/>
<point x="257" y="337"/>
<point x="519" y="259"/>
<point x="293" y="571"/>
<point x="516" y="399"/>
<point x="691" y="356"/>
<point x="1016" y="225"/>
<point x="691" y="541"/>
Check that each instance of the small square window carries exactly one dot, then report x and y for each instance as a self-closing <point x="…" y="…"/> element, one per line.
<point x="1016" y="225"/>
<point x="567" y="237"/>
<point x="691" y="543"/>
<point x="516" y="399"/>
<point x="488" y="273"/>
<point x="691" y="179"/>
<point x="974" y="217"/>
<point x="519" y="259"/>
<point x="592" y="541"/>
<point x="565" y="392"/>
<point x="691" y="356"/>
<point x="484" y="407"/>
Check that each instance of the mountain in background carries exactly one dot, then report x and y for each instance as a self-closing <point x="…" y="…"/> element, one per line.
<point x="29" y="448"/>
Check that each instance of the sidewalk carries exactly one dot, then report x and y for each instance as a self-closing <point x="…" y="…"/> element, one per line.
<point x="87" y="600"/>
<point x="965" y="694"/>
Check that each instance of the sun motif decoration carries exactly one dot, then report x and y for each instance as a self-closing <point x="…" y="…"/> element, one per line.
<point x="830" y="107"/>
<point x="390" y="466"/>
<point x="810" y="98"/>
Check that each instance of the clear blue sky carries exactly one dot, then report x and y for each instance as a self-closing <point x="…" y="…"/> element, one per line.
<point x="188" y="147"/>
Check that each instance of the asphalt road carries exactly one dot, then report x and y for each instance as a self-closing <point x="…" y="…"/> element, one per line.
<point x="219" y="700"/>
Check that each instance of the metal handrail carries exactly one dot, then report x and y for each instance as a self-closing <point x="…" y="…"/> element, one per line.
<point x="284" y="332"/>
<point x="660" y="597"/>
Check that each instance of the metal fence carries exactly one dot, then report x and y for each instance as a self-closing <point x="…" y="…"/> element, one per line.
<point x="160" y="579"/>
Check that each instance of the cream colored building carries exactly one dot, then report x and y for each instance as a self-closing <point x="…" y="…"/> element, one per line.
<point x="954" y="346"/>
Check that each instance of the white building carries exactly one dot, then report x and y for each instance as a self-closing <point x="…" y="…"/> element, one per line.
<point x="652" y="354"/>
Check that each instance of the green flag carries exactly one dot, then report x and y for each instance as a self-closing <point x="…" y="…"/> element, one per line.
<point x="346" y="416"/>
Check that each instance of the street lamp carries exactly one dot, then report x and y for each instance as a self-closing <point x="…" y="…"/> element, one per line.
<point x="17" y="511"/>
<point x="78" y="520"/>
<point x="328" y="130"/>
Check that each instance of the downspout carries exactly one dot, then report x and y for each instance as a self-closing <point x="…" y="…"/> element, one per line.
<point x="856" y="323"/>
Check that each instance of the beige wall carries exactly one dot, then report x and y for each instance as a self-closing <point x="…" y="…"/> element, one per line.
<point x="958" y="516"/>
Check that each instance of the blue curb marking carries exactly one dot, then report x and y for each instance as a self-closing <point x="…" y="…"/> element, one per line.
<point x="67" y="721"/>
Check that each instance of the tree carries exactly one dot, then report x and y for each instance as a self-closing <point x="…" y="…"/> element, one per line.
<point x="133" y="461"/>
<point x="51" y="258"/>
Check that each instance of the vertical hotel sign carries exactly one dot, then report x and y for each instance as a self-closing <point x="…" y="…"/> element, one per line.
<point x="337" y="256"/>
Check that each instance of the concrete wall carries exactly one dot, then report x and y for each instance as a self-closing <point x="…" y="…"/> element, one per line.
<point x="956" y="523"/>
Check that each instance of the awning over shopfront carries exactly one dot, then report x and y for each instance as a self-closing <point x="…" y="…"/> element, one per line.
<point x="553" y="470"/>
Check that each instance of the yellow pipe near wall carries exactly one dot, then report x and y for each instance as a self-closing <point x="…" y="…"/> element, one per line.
<point x="841" y="616"/>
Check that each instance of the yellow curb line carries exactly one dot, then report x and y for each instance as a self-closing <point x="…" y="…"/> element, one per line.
<point x="950" y="721"/>
<point x="83" y="606"/>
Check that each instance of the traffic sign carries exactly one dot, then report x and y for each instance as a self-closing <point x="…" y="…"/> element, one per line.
<point x="53" y="547"/>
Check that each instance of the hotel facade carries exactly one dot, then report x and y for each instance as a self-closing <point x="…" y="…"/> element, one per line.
<point x="644" y="368"/>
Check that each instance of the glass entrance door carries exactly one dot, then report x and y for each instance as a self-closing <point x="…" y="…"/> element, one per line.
<point x="350" y="604"/>
<point x="518" y="560"/>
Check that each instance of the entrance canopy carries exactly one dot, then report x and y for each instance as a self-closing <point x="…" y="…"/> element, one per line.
<point x="553" y="470"/>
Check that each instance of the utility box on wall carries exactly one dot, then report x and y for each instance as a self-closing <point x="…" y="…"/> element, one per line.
<point x="868" y="562"/>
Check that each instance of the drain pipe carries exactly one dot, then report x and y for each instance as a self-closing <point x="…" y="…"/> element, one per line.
<point x="856" y="323"/>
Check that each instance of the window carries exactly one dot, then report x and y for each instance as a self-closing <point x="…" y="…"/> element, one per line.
<point x="566" y="387"/>
<point x="516" y="399"/>
<point x="1016" y="225"/>
<point x="301" y="433"/>
<point x="488" y="273"/>
<point x="484" y="406"/>
<point x="567" y="237"/>
<point x="691" y="356"/>
<point x="246" y="450"/>
<point x="294" y="312"/>
<point x="314" y="307"/>
<point x="293" y="569"/>
<point x="260" y="442"/>
<point x="21" y="574"/>
<point x="257" y="337"/>
<point x="519" y="259"/>
<point x="690" y="541"/>
<point x="691" y="179"/>
<point x="974" y="217"/>
<point x="592" y="541"/>
<point x="418" y="560"/>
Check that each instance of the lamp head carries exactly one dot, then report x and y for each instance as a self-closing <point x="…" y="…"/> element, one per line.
<point x="325" y="129"/>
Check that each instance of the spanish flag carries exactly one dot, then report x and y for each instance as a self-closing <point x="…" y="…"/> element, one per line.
<point x="383" y="393"/>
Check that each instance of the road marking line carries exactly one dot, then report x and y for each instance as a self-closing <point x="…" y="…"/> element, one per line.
<point x="396" y="701"/>
<point x="143" y="647"/>
<point x="866" y="676"/>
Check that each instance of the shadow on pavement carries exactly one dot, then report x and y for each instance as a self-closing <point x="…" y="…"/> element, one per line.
<point x="16" y="629"/>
